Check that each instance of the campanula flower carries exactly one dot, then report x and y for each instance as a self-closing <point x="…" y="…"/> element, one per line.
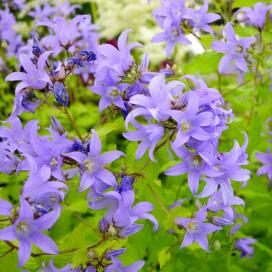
<point x="196" y="229"/>
<point x="26" y="229"/>
<point x="34" y="76"/>
<point x="235" y="50"/>
<point x="91" y="164"/>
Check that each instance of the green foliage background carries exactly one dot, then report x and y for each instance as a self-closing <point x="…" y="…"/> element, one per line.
<point x="77" y="226"/>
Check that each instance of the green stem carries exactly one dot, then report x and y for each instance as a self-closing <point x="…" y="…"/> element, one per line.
<point x="230" y="9"/>
<point x="158" y="199"/>
<point x="73" y="123"/>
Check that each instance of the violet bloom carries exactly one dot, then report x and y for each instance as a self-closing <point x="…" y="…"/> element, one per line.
<point x="27" y="230"/>
<point x="121" y="215"/>
<point x="91" y="164"/>
<point x="177" y="21"/>
<point x="118" y="60"/>
<point x="234" y="49"/>
<point x="52" y="268"/>
<point x="158" y="104"/>
<point x="191" y="122"/>
<point x="196" y="229"/>
<point x="150" y="135"/>
<point x="66" y="32"/>
<point x="202" y="19"/>
<point x="266" y="159"/>
<point x="18" y="137"/>
<point x="5" y="207"/>
<point x="111" y="93"/>
<point x="216" y="203"/>
<point x="34" y="76"/>
<point x="243" y="244"/>
<point x="44" y="194"/>
<point x="255" y="16"/>
<point x="223" y="168"/>
<point x="228" y="164"/>
<point x="118" y="266"/>
<point x="193" y="164"/>
<point x="170" y="17"/>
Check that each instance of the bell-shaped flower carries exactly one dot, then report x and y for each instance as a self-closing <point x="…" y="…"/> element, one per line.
<point x="26" y="229"/>
<point x="91" y="164"/>
<point x="34" y="76"/>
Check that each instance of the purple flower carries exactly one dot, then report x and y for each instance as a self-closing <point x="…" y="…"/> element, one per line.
<point x="223" y="168"/>
<point x="243" y="244"/>
<point x="34" y="76"/>
<point x="91" y="164"/>
<point x="196" y="229"/>
<point x="117" y="76"/>
<point x="24" y="101"/>
<point x="5" y="207"/>
<point x="150" y="135"/>
<point x="27" y="230"/>
<point x="193" y="164"/>
<point x="52" y="268"/>
<point x="234" y="49"/>
<point x="202" y="19"/>
<point x="177" y="21"/>
<point x="43" y="193"/>
<point x="255" y="16"/>
<point x="266" y="159"/>
<point x="118" y="61"/>
<point x="118" y="266"/>
<point x="121" y="216"/>
<point x="216" y="203"/>
<point x="8" y="34"/>
<point x="66" y="32"/>
<point x="158" y="104"/>
<point x="111" y="94"/>
<point x="190" y="122"/>
<point x="61" y="95"/>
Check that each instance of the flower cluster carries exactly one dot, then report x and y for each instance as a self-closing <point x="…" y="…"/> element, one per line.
<point x="178" y="21"/>
<point x="117" y="75"/>
<point x="159" y="109"/>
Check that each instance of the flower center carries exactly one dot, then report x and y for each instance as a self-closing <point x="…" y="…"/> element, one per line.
<point x="89" y="165"/>
<point x="22" y="227"/>
<point x="217" y="167"/>
<point x="239" y="48"/>
<point x="196" y="160"/>
<point x="114" y="93"/>
<point x="194" y="227"/>
<point x="186" y="26"/>
<point x="112" y="230"/>
<point x="131" y="75"/>
<point x="54" y="162"/>
<point x="185" y="126"/>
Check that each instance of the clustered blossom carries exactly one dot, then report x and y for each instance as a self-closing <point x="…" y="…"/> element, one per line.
<point x="194" y="117"/>
<point x="177" y="21"/>
<point x="39" y="72"/>
<point x="117" y="76"/>
<point x="8" y="34"/>
<point x="186" y="114"/>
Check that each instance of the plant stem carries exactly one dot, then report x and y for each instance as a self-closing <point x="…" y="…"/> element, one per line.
<point x="230" y="9"/>
<point x="99" y="242"/>
<point x="73" y="123"/>
<point x="158" y="199"/>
